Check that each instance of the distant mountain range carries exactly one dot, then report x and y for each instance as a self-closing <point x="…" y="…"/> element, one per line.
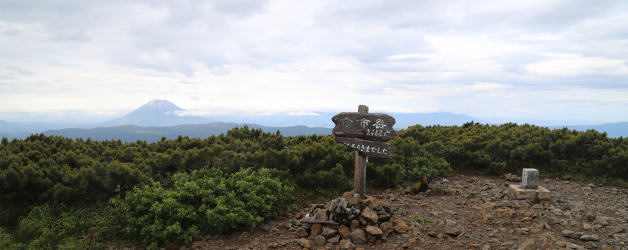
<point x="612" y="129"/>
<point x="161" y="118"/>
<point x="321" y="119"/>
<point x="21" y="130"/>
<point x="131" y="133"/>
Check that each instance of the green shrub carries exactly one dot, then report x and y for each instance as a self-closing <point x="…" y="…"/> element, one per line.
<point x="205" y="201"/>
<point x="509" y="147"/>
<point x="425" y="166"/>
<point x="418" y="218"/>
<point x="384" y="175"/>
<point x="54" y="225"/>
<point x="6" y="240"/>
<point x="65" y="175"/>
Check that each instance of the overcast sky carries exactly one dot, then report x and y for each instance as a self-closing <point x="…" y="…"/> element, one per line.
<point x="543" y="61"/>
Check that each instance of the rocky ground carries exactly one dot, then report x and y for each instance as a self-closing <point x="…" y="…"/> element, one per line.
<point x="469" y="212"/>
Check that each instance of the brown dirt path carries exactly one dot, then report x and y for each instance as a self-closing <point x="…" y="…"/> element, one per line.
<point x="474" y="212"/>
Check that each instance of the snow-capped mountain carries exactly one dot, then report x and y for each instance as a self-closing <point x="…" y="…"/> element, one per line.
<point x="156" y="113"/>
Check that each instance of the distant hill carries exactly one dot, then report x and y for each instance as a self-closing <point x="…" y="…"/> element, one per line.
<point x="442" y="118"/>
<point x="11" y="127"/>
<point x="321" y="119"/>
<point x="159" y="118"/>
<point x="612" y="129"/>
<point x="156" y="113"/>
<point x="20" y="130"/>
<point x="131" y="133"/>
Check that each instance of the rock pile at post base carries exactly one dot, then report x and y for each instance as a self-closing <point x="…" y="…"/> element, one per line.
<point x="348" y="221"/>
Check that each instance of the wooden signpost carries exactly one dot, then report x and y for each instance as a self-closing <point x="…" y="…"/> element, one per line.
<point x="368" y="148"/>
<point x="366" y="133"/>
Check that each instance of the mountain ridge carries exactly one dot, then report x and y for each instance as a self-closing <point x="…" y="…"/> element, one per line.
<point x="614" y="129"/>
<point x="163" y="113"/>
<point x="131" y="133"/>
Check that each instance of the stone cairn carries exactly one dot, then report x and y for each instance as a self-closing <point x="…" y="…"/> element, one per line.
<point x="348" y="221"/>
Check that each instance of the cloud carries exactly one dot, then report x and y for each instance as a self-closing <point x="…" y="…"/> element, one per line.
<point x="405" y="56"/>
<point x="481" y="58"/>
<point x="488" y="86"/>
<point x="574" y="65"/>
<point x="303" y="113"/>
<point x="522" y="110"/>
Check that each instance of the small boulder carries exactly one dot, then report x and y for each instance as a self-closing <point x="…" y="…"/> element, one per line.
<point x="301" y="232"/>
<point x="334" y="239"/>
<point x="346" y="244"/>
<point x="316" y="230"/>
<point x="386" y="227"/>
<point x="529" y="244"/>
<point x="356" y="199"/>
<point x="355" y="224"/>
<point x="320" y="214"/>
<point x="505" y="203"/>
<point x="603" y="220"/>
<point x="383" y="217"/>
<point x="328" y="232"/>
<point x="450" y="222"/>
<point x="319" y="241"/>
<point x="586" y="226"/>
<point x="589" y="237"/>
<point x="512" y="177"/>
<point x="374" y="230"/>
<point x="453" y="231"/>
<point x="363" y="222"/>
<point x="432" y="233"/>
<point x="385" y="206"/>
<point x="347" y="196"/>
<point x="400" y="226"/>
<point x="304" y="243"/>
<point x="571" y="234"/>
<point x="358" y="236"/>
<point x="617" y="229"/>
<point x="370" y="215"/>
<point x="344" y="232"/>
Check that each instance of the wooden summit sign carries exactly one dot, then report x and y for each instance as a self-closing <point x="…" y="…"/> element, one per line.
<point x="366" y="133"/>
<point x="374" y="127"/>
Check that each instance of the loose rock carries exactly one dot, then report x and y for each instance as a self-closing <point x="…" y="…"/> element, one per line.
<point x="571" y="234"/>
<point x="358" y="236"/>
<point x="334" y="239"/>
<point x="301" y="232"/>
<point x="386" y="227"/>
<point x="319" y="241"/>
<point x="346" y="244"/>
<point x="316" y="230"/>
<point x="305" y="243"/>
<point x="375" y="231"/>
<point x="321" y="214"/>
<point x="603" y="220"/>
<point x="344" y="232"/>
<point x="370" y="215"/>
<point x="529" y="244"/>
<point x="454" y="232"/>
<point x="400" y="226"/>
<point x="328" y="232"/>
<point x="355" y="224"/>
<point x="589" y="237"/>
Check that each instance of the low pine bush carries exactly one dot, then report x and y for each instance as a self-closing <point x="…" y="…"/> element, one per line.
<point x="55" y="225"/>
<point x="204" y="201"/>
<point x="6" y="240"/>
